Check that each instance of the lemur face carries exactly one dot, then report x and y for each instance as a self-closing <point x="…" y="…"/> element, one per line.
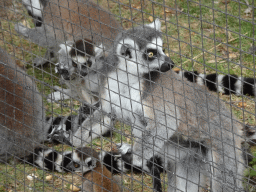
<point x="141" y="50"/>
<point x="76" y="59"/>
<point x="83" y="160"/>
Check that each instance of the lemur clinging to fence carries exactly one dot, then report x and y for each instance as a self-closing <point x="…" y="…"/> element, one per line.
<point x="189" y="131"/>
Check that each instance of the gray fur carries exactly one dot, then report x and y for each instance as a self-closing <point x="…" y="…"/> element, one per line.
<point x="88" y="19"/>
<point x="22" y="112"/>
<point x="168" y="115"/>
<point x="84" y="88"/>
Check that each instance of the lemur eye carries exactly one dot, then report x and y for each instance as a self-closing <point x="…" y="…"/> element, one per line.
<point x="76" y="165"/>
<point x="150" y="54"/>
<point x="74" y="64"/>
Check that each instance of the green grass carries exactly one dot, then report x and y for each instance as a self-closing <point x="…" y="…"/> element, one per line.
<point x="196" y="38"/>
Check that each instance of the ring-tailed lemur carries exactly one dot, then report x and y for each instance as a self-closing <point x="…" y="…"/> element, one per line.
<point x="179" y="125"/>
<point x="22" y="123"/>
<point x="77" y="70"/>
<point x="225" y="84"/>
<point x="60" y="21"/>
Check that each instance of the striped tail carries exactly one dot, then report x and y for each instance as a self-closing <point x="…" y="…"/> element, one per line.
<point x="69" y="123"/>
<point x="50" y="159"/>
<point x="225" y="84"/>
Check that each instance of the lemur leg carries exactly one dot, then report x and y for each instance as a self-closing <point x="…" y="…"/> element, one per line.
<point x="185" y="171"/>
<point x="95" y="126"/>
<point x="226" y="171"/>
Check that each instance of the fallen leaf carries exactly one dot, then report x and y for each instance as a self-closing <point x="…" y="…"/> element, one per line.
<point x="242" y="104"/>
<point x="212" y="61"/>
<point x="48" y="178"/>
<point x="74" y="188"/>
<point x="25" y="23"/>
<point x="176" y="69"/>
<point x="150" y="18"/>
<point x="232" y="55"/>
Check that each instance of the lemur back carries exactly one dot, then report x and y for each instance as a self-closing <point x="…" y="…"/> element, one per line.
<point x="21" y="111"/>
<point x="70" y="20"/>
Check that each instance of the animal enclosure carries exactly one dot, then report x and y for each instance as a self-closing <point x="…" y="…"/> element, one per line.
<point x="128" y="95"/>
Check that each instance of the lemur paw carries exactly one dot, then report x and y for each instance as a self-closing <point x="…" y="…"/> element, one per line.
<point x="124" y="148"/>
<point x="21" y="29"/>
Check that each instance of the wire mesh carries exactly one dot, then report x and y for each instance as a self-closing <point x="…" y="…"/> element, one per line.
<point x="127" y="95"/>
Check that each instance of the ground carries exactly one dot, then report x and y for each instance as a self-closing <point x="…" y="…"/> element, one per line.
<point x="206" y="36"/>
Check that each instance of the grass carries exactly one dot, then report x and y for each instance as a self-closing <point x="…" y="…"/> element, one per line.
<point x="206" y="36"/>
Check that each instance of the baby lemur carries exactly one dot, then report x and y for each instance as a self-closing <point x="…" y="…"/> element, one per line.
<point x="194" y="138"/>
<point x="61" y="21"/>
<point x="97" y="177"/>
<point x="22" y="123"/>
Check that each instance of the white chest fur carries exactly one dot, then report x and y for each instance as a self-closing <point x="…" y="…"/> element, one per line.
<point x="122" y="95"/>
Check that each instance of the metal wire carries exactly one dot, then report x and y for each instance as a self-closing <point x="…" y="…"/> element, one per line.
<point x="186" y="131"/>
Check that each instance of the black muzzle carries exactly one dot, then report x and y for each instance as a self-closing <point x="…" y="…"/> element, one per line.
<point x="167" y="65"/>
<point x="63" y="72"/>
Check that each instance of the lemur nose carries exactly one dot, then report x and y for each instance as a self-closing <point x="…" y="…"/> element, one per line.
<point x="167" y="65"/>
<point x="63" y="71"/>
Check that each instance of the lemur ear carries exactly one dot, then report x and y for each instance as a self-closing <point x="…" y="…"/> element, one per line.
<point x="98" y="50"/>
<point x="82" y="48"/>
<point x="126" y="50"/>
<point x="155" y="24"/>
<point x="66" y="47"/>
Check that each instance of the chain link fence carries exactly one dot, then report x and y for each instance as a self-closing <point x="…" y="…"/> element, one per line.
<point x="104" y="95"/>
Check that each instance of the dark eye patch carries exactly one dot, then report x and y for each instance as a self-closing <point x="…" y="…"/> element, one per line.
<point x="74" y="64"/>
<point x="76" y="165"/>
<point x="150" y="54"/>
<point x="89" y="63"/>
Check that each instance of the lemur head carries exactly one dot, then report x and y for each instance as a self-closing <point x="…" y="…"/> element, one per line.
<point x="140" y="50"/>
<point x="75" y="59"/>
<point x="84" y="159"/>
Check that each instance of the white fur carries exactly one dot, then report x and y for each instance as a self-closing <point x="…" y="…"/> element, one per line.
<point x="65" y="47"/>
<point x="220" y="84"/>
<point x="200" y="79"/>
<point x="239" y="86"/>
<point x="98" y="50"/>
<point x="87" y="160"/>
<point x="181" y="73"/>
<point x="75" y="157"/>
<point x="41" y="156"/>
<point x="155" y="24"/>
<point x="157" y="43"/>
<point x="58" y="163"/>
<point x="80" y="59"/>
<point x="34" y="6"/>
